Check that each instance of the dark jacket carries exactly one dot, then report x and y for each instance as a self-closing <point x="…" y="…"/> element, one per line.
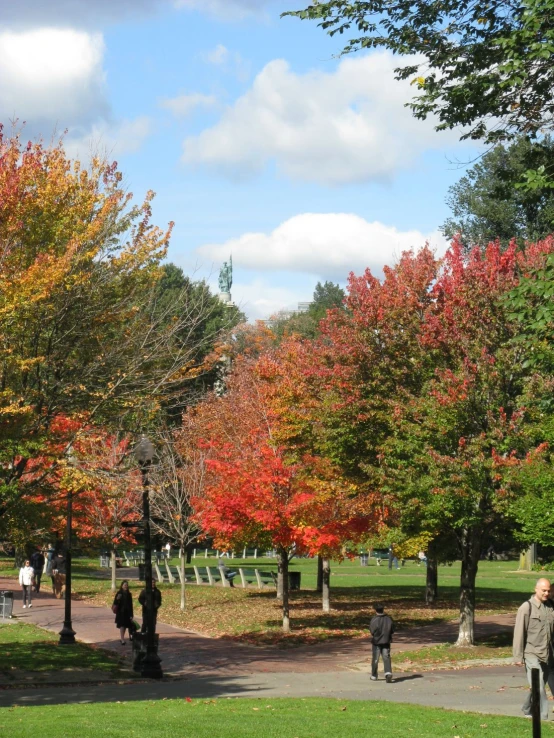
<point x="59" y="563"/>
<point x="37" y="562"/>
<point x="156" y="599"/>
<point x="124" y="614"/>
<point x="382" y="628"/>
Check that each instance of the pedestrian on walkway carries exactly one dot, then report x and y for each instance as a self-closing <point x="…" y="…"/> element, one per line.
<point x="382" y="628"/>
<point x="533" y="642"/>
<point x="156" y="602"/>
<point x="393" y="559"/>
<point x="26" y="576"/>
<point x="123" y="609"/>
<point x="58" y="574"/>
<point x="37" y="562"/>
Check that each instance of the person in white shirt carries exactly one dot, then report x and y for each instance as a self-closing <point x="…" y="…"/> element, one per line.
<point x="26" y="576"/>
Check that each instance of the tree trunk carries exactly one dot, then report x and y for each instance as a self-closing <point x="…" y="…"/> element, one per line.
<point x="114" y="570"/>
<point x="431" y="584"/>
<point x="280" y="580"/>
<point x="326" y="585"/>
<point x="471" y="550"/>
<point x="182" y="563"/>
<point x="319" y="585"/>
<point x="284" y="575"/>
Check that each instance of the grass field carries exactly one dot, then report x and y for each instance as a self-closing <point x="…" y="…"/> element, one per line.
<point x="27" y="648"/>
<point x="254" y="616"/>
<point x="245" y="718"/>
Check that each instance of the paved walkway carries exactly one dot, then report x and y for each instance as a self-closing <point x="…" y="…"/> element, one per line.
<point x="188" y="653"/>
<point x="209" y="667"/>
<point x="497" y="691"/>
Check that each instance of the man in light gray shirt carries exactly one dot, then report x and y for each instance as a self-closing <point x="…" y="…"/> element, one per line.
<point x="533" y="641"/>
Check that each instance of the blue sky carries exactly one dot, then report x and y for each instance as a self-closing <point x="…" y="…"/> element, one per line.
<point x="255" y="137"/>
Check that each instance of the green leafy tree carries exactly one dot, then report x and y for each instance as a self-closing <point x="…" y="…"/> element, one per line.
<point x="176" y="297"/>
<point x="487" y="204"/>
<point x="327" y="296"/>
<point x="486" y="66"/>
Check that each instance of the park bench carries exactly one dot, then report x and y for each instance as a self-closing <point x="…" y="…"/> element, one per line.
<point x="205" y="552"/>
<point x="133" y="558"/>
<point x="203" y="575"/>
<point x="174" y="574"/>
<point x="250" y="553"/>
<point x="257" y="577"/>
<point x="380" y="554"/>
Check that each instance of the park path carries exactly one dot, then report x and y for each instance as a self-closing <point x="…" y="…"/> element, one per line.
<point x="186" y="653"/>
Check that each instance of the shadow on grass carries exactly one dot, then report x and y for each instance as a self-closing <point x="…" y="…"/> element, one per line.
<point x="50" y="656"/>
<point x="352" y="609"/>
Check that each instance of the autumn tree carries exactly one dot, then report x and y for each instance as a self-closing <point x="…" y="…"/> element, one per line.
<point x="256" y="492"/>
<point x="82" y="333"/>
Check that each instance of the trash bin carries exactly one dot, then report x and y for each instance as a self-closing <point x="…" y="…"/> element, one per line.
<point x="104" y="562"/>
<point x="294" y="579"/>
<point x="364" y="559"/>
<point x="6" y="603"/>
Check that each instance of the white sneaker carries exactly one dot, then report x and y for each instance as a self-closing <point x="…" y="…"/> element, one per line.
<point x="24" y="607"/>
<point x="30" y="605"/>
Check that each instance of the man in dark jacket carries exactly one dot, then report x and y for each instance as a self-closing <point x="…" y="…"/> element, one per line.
<point x="156" y="601"/>
<point x="58" y="574"/>
<point x="382" y="628"/>
<point x="37" y="562"/>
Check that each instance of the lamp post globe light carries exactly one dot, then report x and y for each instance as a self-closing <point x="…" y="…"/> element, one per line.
<point x="151" y="664"/>
<point x="67" y="634"/>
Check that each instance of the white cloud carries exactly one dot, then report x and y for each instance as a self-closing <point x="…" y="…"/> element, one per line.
<point x="54" y="80"/>
<point x="51" y="77"/>
<point x="260" y="299"/>
<point x="80" y="13"/>
<point x="232" y="9"/>
<point x="184" y="105"/>
<point x="327" y="245"/>
<point x="218" y="56"/>
<point x="228" y="61"/>
<point x="108" y="139"/>
<point x="350" y="125"/>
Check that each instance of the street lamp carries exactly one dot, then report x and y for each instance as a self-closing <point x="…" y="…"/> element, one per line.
<point x="67" y="634"/>
<point x="151" y="664"/>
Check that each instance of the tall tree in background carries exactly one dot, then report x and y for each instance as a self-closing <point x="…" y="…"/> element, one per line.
<point x="484" y="66"/>
<point x="327" y="296"/>
<point x="82" y="332"/>
<point x="487" y="202"/>
<point x="216" y="320"/>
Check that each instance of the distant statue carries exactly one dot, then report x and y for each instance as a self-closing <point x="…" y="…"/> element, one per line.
<point x="226" y="276"/>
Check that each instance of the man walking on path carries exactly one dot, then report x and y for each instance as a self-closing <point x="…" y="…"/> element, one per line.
<point x="26" y="575"/>
<point x="533" y="642"/>
<point x="382" y="628"/>
<point x="37" y="562"/>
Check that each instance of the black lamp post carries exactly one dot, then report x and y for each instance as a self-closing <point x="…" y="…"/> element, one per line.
<point x="67" y="634"/>
<point x="151" y="664"/>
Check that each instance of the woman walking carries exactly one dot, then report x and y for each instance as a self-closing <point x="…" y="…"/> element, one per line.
<point x="123" y="609"/>
<point x="26" y="576"/>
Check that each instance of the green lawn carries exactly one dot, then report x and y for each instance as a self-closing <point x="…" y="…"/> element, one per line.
<point x="246" y="718"/>
<point x="27" y="648"/>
